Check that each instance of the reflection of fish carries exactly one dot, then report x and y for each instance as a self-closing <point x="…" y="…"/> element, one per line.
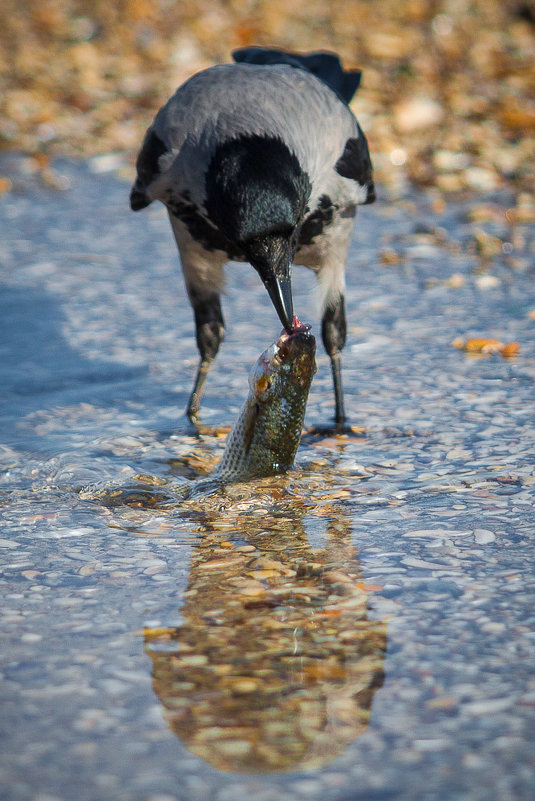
<point x="276" y="663"/>
<point x="266" y="435"/>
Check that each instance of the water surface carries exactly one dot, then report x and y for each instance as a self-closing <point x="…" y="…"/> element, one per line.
<point x="360" y="629"/>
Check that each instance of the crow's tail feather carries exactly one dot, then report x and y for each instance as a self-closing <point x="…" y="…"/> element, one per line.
<point x="326" y="66"/>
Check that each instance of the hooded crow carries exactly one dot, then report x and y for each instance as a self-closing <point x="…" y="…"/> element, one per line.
<point x="260" y="161"/>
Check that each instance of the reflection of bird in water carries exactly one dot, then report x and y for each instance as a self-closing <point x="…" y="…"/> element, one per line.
<point x="276" y="664"/>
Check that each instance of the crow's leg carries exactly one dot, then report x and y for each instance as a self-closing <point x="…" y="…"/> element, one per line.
<point x="327" y="254"/>
<point x="210" y="329"/>
<point x="333" y="332"/>
<point x="203" y="274"/>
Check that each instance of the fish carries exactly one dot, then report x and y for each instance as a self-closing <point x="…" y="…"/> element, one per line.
<point x="265" y="437"/>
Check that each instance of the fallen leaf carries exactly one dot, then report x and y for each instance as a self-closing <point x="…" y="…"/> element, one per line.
<point x="5" y="185"/>
<point x="218" y="564"/>
<point x="456" y="281"/>
<point x="486" y="244"/>
<point x="445" y="702"/>
<point x="510" y="350"/>
<point x="153" y="633"/>
<point x="324" y="671"/>
<point x="390" y="256"/>
<point x="485" y="345"/>
<point x="478" y="345"/>
<point x="518" y="118"/>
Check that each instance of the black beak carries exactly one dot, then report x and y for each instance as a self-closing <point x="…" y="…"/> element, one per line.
<point x="280" y="292"/>
<point x="272" y="259"/>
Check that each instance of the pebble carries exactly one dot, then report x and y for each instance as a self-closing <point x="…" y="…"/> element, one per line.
<point x="29" y="637"/>
<point x="483" y="536"/>
<point x="233" y="748"/>
<point x="481" y="178"/>
<point x="430" y="745"/>
<point x="244" y="686"/>
<point x="493" y="628"/>
<point x="155" y="569"/>
<point x="487" y="282"/>
<point x="161" y="797"/>
<point x="412" y="561"/>
<point x="487" y="707"/>
<point x="436" y="533"/>
<point x="193" y="660"/>
<point x="417" y="113"/>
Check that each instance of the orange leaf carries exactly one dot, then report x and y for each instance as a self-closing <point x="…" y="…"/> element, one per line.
<point x="509" y="350"/>
<point x="5" y="185"/>
<point x="482" y="345"/>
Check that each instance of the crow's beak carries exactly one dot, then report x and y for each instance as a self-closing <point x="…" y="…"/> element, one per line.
<point x="280" y="292"/>
<point x="272" y="259"/>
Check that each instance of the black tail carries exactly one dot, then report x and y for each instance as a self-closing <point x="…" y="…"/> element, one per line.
<point x="148" y="168"/>
<point x="138" y="198"/>
<point x="326" y="66"/>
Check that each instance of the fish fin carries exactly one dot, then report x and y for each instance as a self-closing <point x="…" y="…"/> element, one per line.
<point x="249" y="425"/>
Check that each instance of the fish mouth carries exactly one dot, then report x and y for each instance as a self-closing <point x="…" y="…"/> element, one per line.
<point x="299" y="341"/>
<point x="291" y="358"/>
<point x="298" y="326"/>
<point x="298" y="329"/>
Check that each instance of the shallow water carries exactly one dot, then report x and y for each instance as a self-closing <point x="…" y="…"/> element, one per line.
<point x="360" y="629"/>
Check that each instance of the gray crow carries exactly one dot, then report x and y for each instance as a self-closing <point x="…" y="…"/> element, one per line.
<point x="260" y="161"/>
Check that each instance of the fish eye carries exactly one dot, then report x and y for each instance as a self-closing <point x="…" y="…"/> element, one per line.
<point x="263" y="384"/>
<point x="283" y="351"/>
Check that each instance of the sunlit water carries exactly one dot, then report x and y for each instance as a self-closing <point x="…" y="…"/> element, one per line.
<point x="362" y="628"/>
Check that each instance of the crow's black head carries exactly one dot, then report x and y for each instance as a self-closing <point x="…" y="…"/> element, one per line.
<point x="255" y="187"/>
<point x="257" y="194"/>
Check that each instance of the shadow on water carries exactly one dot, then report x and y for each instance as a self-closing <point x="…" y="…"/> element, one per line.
<point x="40" y="369"/>
<point x="276" y="663"/>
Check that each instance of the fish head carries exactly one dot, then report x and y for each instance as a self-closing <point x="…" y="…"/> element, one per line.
<point x="266" y="435"/>
<point x="286" y="368"/>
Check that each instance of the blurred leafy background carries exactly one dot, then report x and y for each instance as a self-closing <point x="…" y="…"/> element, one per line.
<point x="447" y="97"/>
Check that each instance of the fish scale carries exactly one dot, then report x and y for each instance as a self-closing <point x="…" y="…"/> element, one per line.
<point x="266" y="435"/>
